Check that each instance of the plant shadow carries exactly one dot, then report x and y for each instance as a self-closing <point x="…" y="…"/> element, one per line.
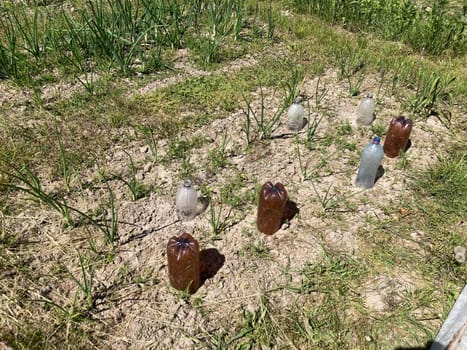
<point x="210" y="262"/>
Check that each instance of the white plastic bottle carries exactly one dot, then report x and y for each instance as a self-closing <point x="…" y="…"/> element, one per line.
<point x="366" y="110"/>
<point x="370" y="161"/>
<point x="296" y="115"/>
<point x="186" y="201"/>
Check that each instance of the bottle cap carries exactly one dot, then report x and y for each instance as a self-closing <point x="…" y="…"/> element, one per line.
<point x="376" y="140"/>
<point x="370" y="95"/>
<point x="187" y="183"/>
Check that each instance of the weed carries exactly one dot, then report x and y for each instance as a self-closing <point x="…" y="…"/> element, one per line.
<point x="257" y="250"/>
<point x="265" y="126"/>
<point x="149" y="136"/>
<point x="430" y="92"/>
<point x="137" y="189"/>
<point x="218" y="155"/>
<point x="292" y="85"/>
<point x="320" y="93"/>
<point x="327" y="200"/>
<point x="218" y="222"/>
<point x="85" y="283"/>
<point x="434" y="29"/>
<point x="378" y="129"/>
<point x="32" y="186"/>
<point x="351" y="64"/>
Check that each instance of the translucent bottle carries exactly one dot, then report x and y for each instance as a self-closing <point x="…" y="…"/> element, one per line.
<point x="296" y="115"/>
<point x="397" y="137"/>
<point x="183" y="262"/>
<point x="370" y="161"/>
<point x="366" y="110"/>
<point x="186" y="201"/>
<point x="459" y="254"/>
<point x="271" y="206"/>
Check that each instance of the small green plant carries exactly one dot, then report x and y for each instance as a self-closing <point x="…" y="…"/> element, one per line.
<point x="137" y="189"/>
<point x="320" y="93"/>
<point x="303" y="166"/>
<point x="312" y="129"/>
<point x="256" y="250"/>
<point x="32" y="186"/>
<point x="150" y="138"/>
<point x="327" y="200"/>
<point x="265" y="126"/>
<point x="351" y="65"/>
<point x="109" y="225"/>
<point x="85" y="282"/>
<point x="431" y="91"/>
<point x="378" y="128"/>
<point x="217" y="220"/>
<point x="218" y="155"/>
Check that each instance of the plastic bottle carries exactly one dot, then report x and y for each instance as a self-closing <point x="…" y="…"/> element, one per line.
<point x="296" y="115"/>
<point x="272" y="200"/>
<point x="397" y="137"/>
<point x="183" y="262"/>
<point x="459" y="254"/>
<point x="371" y="159"/>
<point x="186" y="201"/>
<point x="366" y="110"/>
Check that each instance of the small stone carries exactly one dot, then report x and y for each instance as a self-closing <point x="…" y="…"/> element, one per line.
<point x="147" y="168"/>
<point x="144" y="149"/>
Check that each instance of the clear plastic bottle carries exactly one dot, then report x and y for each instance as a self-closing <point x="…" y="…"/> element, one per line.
<point x="366" y="110"/>
<point x="186" y="201"/>
<point x="370" y="161"/>
<point x="296" y="115"/>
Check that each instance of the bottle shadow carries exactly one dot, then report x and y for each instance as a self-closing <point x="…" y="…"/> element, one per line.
<point x="379" y="173"/>
<point x="290" y="211"/>
<point x="210" y="262"/>
<point x="429" y="345"/>
<point x="202" y="205"/>
<point x="408" y="145"/>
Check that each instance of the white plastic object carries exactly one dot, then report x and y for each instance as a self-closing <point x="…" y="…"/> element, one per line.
<point x="369" y="163"/>
<point x="186" y="201"/>
<point x="366" y="110"/>
<point x="459" y="254"/>
<point x="296" y="115"/>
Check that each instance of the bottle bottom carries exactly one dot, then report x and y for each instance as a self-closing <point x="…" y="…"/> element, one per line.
<point x="185" y="215"/>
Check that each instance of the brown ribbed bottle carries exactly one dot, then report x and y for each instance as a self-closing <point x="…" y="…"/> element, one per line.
<point x="183" y="262"/>
<point x="397" y="136"/>
<point x="272" y="200"/>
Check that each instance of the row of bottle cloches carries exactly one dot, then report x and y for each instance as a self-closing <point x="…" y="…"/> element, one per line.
<point x="183" y="251"/>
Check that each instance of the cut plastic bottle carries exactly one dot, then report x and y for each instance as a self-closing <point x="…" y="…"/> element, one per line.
<point x="272" y="200"/>
<point x="183" y="263"/>
<point x="296" y="115"/>
<point x="186" y="201"/>
<point x="397" y="137"/>
<point x="369" y="163"/>
<point x="366" y="110"/>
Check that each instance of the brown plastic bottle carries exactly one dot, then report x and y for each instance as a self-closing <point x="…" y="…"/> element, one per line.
<point x="183" y="262"/>
<point x="397" y="137"/>
<point x="272" y="200"/>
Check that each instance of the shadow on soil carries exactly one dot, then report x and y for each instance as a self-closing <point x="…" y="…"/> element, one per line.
<point x="210" y="261"/>
<point x="427" y="346"/>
